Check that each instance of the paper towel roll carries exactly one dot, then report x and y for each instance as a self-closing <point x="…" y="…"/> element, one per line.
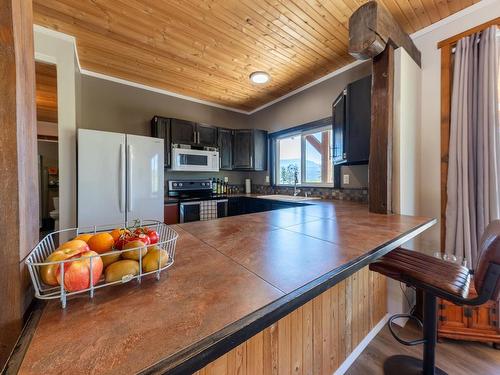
<point x="248" y="186"/>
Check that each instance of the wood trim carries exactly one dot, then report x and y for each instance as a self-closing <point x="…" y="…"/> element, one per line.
<point x="315" y="338"/>
<point x="446" y="79"/>
<point x="454" y="39"/>
<point x="18" y="203"/>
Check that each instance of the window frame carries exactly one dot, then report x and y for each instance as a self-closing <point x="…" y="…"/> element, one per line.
<point x="301" y="130"/>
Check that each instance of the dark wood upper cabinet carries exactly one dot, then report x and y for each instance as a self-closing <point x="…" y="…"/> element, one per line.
<point x="206" y="135"/>
<point x="160" y="128"/>
<point x="183" y="132"/>
<point x="238" y="149"/>
<point x="225" y="142"/>
<point x="191" y="133"/>
<point x="351" y="115"/>
<point x="242" y="149"/>
<point x="250" y="149"/>
<point x="260" y="150"/>
<point x="339" y="128"/>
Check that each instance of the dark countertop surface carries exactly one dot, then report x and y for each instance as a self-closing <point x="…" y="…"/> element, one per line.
<point x="231" y="278"/>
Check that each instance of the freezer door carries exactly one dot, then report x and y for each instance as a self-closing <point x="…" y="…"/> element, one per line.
<point x="145" y="161"/>
<point x="101" y="178"/>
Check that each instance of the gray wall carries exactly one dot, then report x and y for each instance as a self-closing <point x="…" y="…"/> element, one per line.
<point x="110" y="106"/>
<point x="115" y="107"/>
<point x="309" y="105"/>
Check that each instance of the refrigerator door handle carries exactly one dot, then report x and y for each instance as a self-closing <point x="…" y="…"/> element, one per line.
<point x="130" y="157"/>
<point x="122" y="178"/>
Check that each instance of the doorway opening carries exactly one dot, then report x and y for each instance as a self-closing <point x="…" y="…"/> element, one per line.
<point x="47" y="142"/>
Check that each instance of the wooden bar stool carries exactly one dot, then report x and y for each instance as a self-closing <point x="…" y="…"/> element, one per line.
<point x="438" y="278"/>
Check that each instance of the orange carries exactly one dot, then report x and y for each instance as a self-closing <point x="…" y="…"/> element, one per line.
<point x="101" y="242"/>
<point x="84" y="237"/>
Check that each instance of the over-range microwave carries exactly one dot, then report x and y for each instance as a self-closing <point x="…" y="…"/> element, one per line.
<point x="184" y="159"/>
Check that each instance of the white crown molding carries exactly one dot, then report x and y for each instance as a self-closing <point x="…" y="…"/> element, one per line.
<point x="464" y="12"/>
<point x="455" y="16"/>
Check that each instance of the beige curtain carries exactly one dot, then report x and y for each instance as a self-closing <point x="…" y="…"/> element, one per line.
<point x="473" y="169"/>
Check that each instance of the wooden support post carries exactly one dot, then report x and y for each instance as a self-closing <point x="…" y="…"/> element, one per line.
<point x="380" y="167"/>
<point x="18" y="165"/>
<point x="374" y="34"/>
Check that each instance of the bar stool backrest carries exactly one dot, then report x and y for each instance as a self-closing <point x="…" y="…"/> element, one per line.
<point x="489" y="255"/>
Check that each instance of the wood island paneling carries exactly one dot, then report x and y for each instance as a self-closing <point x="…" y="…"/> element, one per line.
<point x="207" y="49"/>
<point x="314" y="339"/>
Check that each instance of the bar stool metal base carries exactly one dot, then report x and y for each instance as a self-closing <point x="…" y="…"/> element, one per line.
<point x="404" y="364"/>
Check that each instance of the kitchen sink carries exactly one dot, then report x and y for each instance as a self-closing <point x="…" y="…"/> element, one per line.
<point x="287" y="198"/>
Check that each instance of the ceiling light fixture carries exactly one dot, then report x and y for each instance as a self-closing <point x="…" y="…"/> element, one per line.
<point x="259" y="77"/>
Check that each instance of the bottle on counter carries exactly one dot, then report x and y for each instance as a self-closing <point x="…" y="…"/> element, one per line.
<point x="225" y="188"/>
<point x="214" y="186"/>
<point x="218" y="186"/>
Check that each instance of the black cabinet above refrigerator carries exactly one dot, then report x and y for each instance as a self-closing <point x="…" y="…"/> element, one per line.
<point x="351" y="116"/>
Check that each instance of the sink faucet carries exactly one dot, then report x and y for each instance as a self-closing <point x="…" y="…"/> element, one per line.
<point x="296" y="181"/>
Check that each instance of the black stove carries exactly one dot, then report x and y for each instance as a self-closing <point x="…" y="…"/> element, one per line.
<point x="193" y="197"/>
<point x="186" y="190"/>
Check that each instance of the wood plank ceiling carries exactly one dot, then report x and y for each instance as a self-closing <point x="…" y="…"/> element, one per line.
<point x="46" y="92"/>
<point x="206" y="49"/>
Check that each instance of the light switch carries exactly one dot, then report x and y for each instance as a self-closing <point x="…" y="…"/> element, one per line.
<point x="267" y="179"/>
<point x="346" y="179"/>
<point x="226" y="179"/>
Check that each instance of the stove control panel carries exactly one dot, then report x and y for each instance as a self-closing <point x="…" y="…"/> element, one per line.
<point x="189" y="185"/>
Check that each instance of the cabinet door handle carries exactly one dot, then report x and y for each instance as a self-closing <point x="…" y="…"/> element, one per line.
<point x="194" y="136"/>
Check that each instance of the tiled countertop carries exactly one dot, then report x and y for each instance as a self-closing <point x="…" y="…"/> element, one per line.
<point x="230" y="275"/>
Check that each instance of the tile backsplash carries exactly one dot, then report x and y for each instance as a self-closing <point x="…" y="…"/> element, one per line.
<point x="356" y="195"/>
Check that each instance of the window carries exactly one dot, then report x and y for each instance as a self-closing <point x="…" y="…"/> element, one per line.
<point x="304" y="157"/>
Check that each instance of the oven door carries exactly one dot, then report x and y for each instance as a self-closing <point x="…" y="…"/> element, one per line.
<point x="195" y="160"/>
<point x="189" y="211"/>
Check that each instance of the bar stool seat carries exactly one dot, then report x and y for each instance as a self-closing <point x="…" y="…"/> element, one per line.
<point x="437" y="278"/>
<point x="412" y="267"/>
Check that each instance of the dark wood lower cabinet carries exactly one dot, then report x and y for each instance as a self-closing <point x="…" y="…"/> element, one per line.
<point x="171" y="213"/>
<point x="471" y="323"/>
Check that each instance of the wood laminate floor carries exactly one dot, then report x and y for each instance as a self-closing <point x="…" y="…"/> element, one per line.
<point x="454" y="357"/>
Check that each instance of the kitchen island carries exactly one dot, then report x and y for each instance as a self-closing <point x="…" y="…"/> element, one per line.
<point x="285" y="290"/>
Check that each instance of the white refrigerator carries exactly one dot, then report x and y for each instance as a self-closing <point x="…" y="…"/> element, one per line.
<point x="120" y="178"/>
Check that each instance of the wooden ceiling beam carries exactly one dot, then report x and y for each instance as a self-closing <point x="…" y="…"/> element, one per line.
<point x="371" y="28"/>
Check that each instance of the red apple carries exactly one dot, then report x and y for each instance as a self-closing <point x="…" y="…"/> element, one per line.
<point x="75" y="244"/>
<point x="77" y="273"/>
<point x="48" y="272"/>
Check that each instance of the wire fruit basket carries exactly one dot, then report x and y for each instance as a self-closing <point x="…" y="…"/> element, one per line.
<point x="91" y="274"/>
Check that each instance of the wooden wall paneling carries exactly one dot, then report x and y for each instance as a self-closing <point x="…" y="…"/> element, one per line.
<point x="307" y="337"/>
<point x="18" y="203"/>
<point x="311" y="339"/>
<point x="296" y="344"/>
<point x="211" y="47"/>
